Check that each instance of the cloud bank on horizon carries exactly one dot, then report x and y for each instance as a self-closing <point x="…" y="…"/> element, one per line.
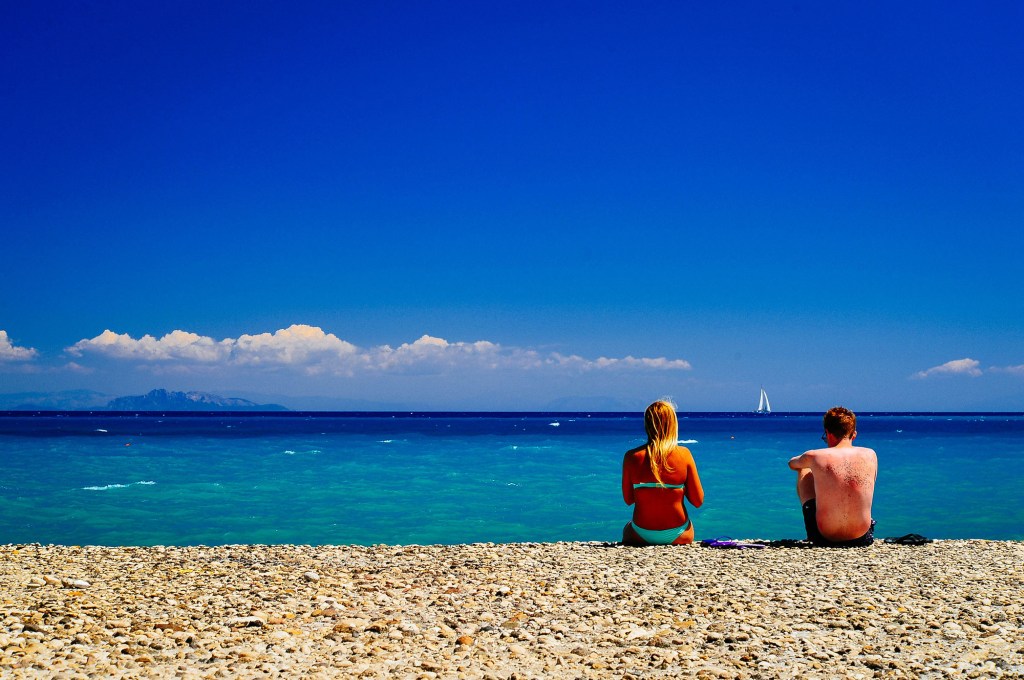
<point x="10" y="352"/>
<point x="313" y="351"/>
<point x="307" y="362"/>
<point x="967" y="366"/>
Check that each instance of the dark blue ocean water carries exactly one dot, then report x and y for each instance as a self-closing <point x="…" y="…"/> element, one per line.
<point x="212" y="479"/>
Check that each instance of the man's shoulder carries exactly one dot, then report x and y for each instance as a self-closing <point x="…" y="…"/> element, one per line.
<point x="841" y="456"/>
<point x="860" y="457"/>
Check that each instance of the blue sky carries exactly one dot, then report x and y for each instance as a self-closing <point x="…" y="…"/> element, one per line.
<point x="516" y="205"/>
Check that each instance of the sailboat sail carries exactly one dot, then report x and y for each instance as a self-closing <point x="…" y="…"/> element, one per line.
<point x="763" y="405"/>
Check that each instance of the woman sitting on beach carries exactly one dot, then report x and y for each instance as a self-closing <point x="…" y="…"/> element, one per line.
<point x="656" y="477"/>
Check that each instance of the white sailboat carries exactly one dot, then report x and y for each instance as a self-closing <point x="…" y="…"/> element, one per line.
<point x="763" y="406"/>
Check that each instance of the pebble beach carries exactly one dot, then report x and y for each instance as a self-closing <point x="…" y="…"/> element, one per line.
<point x="529" y="610"/>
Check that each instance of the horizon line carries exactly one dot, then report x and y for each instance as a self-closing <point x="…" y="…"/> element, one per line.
<point x="459" y="413"/>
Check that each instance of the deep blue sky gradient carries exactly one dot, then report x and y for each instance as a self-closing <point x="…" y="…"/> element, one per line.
<point x="826" y="199"/>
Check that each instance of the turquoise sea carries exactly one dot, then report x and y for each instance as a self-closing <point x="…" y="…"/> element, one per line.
<point x="399" y="478"/>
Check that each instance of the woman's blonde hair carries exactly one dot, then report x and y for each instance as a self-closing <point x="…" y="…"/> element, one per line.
<point x="662" y="436"/>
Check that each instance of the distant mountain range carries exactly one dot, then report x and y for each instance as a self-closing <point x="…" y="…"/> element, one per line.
<point x="155" y="400"/>
<point x="66" y="400"/>
<point x="166" y="400"/>
<point x="162" y="400"/>
<point x="594" y="403"/>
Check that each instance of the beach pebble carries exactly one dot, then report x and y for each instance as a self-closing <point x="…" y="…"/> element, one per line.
<point x="75" y="583"/>
<point x="491" y="611"/>
<point x="311" y="576"/>
<point x="246" y="622"/>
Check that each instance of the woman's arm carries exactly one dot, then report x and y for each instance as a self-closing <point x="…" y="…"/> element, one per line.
<point x="627" y="481"/>
<point x="694" y="490"/>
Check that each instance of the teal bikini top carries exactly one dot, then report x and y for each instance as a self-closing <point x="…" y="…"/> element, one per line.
<point x="655" y="485"/>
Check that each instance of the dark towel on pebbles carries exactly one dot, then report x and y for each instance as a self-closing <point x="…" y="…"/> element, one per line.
<point x="908" y="539"/>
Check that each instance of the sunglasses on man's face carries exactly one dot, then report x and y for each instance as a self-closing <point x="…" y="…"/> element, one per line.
<point x="824" y="437"/>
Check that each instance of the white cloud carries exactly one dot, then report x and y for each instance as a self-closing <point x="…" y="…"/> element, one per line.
<point x="310" y="349"/>
<point x="429" y="351"/>
<point x="956" y="367"/>
<point x="9" y="352"/>
<point x="608" y="363"/>
<point x="296" y="345"/>
<point x="174" y="345"/>
<point x="1012" y="370"/>
<point x="660" y="363"/>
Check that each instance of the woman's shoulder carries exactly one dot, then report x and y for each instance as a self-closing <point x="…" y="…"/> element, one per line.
<point x="681" y="453"/>
<point x="638" y="454"/>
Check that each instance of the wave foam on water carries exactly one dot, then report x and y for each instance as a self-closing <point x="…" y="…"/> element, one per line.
<point x="116" y="486"/>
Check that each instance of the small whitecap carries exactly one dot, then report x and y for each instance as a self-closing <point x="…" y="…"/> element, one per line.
<point x="289" y="452"/>
<point x="554" y="424"/>
<point x="100" y="429"/>
<point x="104" y="488"/>
<point x="688" y="441"/>
<point x="385" y="441"/>
<point x="117" y="486"/>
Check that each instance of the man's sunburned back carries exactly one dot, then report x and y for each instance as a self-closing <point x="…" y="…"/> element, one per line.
<point x="844" y="486"/>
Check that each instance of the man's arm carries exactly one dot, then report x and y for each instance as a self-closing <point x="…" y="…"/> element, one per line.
<point x="802" y="462"/>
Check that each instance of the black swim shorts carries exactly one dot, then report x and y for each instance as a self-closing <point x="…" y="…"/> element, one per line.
<point x="815" y="537"/>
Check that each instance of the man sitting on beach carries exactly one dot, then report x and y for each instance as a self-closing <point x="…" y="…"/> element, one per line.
<point x="836" y="485"/>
